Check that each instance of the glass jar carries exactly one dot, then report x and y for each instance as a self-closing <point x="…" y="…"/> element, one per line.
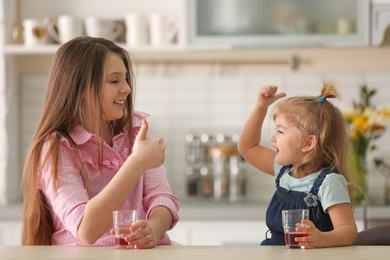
<point x="237" y="180"/>
<point x="192" y="181"/>
<point x="192" y="149"/>
<point x="206" y="182"/>
<point x="220" y="160"/>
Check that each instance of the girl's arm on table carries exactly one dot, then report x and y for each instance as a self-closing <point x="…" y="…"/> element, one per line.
<point x="344" y="231"/>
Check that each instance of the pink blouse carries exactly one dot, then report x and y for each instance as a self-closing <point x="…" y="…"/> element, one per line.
<point x="67" y="205"/>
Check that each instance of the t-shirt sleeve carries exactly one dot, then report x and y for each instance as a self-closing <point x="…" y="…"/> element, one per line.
<point x="334" y="190"/>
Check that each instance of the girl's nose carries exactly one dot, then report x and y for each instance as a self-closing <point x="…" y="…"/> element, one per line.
<point x="272" y="137"/>
<point x="126" y="89"/>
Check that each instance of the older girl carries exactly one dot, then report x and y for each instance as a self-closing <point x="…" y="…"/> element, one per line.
<point x="90" y="155"/>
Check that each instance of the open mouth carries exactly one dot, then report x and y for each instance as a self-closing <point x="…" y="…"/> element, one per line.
<point x="119" y="102"/>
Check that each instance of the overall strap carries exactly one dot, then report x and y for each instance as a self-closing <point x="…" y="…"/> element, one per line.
<point x="281" y="172"/>
<point x="312" y="199"/>
<point x="318" y="182"/>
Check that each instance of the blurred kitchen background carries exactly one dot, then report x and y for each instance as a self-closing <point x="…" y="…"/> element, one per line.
<point x="199" y="65"/>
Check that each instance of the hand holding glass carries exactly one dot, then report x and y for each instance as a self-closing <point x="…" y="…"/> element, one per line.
<point x="290" y="218"/>
<point x="123" y="219"/>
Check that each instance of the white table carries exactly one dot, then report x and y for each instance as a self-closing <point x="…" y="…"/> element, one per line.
<point x="195" y="252"/>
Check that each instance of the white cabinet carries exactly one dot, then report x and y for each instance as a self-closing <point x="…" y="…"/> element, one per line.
<point x="380" y="12"/>
<point x="285" y="23"/>
<point x="219" y="232"/>
<point x="218" y="223"/>
<point x="10" y="233"/>
<point x="231" y="224"/>
<point x="224" y="232"/>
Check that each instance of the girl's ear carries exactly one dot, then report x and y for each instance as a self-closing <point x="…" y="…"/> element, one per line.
<point x="310" y="142"/>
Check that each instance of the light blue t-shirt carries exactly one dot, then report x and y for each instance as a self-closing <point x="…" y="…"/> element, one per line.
<point x="333" y="190"/>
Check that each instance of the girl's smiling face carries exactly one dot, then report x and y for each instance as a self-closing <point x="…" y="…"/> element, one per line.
<point x="287" y="142"/>
<point x="115" y="88"/>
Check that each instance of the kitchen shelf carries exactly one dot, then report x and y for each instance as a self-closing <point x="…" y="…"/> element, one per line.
<point x="50" y="49"/>
<point x="15" y="49"/>
<point x="149" y="55"/>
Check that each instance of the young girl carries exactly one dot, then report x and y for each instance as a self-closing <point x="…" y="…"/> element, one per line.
<point x="309" y="161"/>
<point x="90" y="155"/>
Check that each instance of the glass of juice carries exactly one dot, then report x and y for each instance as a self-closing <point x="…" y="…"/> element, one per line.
<point x="123" y="219"/>
<point x="290" y="218"/>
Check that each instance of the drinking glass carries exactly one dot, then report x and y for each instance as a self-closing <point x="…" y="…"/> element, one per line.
<point x="123" y="219"/>
<point x="290" y="218"/>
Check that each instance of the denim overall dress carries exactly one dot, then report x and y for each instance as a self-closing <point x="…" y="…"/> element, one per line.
<point x="290" y="199"/>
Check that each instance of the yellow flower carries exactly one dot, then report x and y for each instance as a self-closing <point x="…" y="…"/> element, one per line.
<point x="361" y="123"/>
<point x="365" y="122"/>
<point x="383" y="112"/>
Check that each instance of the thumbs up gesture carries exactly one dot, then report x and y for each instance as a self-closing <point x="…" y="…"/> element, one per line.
<point x="150" y="152"/>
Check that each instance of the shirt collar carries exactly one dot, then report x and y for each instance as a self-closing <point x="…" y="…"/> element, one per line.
<point x="79" y="135"/>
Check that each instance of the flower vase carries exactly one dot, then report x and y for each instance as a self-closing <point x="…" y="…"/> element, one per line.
<point x="359" y="175"/>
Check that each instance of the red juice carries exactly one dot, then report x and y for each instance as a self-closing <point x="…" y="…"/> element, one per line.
<point x="120" y="241"/>
<point x="290" y="238"/>
<point x="121" y="230"/>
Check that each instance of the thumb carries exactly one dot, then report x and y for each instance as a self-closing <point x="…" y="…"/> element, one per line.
<point x="142" y="132"/>
<point x="280" y="95"/>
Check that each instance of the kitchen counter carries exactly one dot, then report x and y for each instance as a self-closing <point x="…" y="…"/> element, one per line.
<point x="194" y="252"/>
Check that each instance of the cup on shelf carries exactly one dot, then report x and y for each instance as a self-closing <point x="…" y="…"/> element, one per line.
<point x="64" y="28"/>
<point x="123" y="220"/>
<point x="163" y="29"/>
<point x="136" y="29"/>
<point x="17" y="33"/>
<point x="31" y="32"/>
<point x="102" y="28"/>
<point x="122" y="36"/>
<point x="290" y="218"/>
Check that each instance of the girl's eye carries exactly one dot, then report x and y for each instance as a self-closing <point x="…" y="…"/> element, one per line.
<point x="278" y="131"/>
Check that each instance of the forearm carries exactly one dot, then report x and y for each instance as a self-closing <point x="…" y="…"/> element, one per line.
<point x="250" y="135"/>
<point x="109" y="199"/>
<point x="160" y="219"/>
<point x="342" y="236"/>
<point x="344" y="227"/>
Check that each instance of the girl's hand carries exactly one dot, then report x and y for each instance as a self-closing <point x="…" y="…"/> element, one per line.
<point x="314" y="238"/>
<point x="142" y="235"/>
<point x="267" y="95"/>
<point x="150" y="152"/>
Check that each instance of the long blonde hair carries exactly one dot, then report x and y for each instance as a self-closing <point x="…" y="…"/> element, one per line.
<point x="315" y="115"/>
<point x="77" y="70"/>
